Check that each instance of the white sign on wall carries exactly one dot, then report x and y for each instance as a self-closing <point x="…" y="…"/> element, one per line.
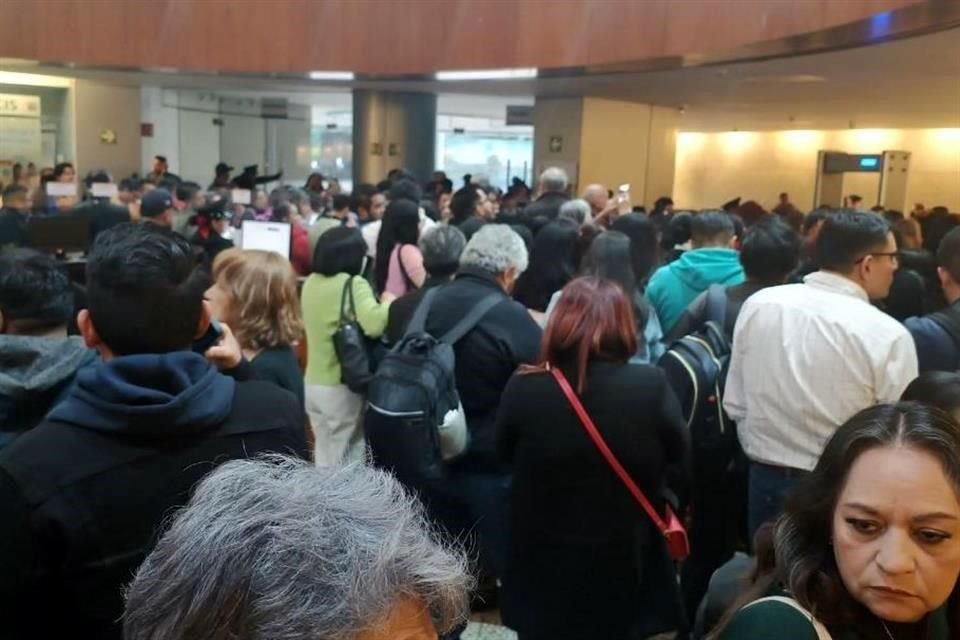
<point x="20" y="137"/>
<point x="19" y="106"/>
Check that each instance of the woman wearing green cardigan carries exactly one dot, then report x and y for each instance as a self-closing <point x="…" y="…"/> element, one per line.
<point x="335" y="411"/>
<point x="868" y="548"/>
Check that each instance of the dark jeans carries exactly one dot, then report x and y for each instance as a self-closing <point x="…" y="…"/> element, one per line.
<point x="769" y="486"/>
<point x="475" y="506"/>
<point x="718" y="526"/>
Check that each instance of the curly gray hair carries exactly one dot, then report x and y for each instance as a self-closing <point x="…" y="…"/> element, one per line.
<point x="277" y="548"/>
<point x="495" y="248"/>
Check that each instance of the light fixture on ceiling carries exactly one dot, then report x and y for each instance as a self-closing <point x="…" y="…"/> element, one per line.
<point x="18" y="62"/>
<point x="332" y="75"/>
<point x="797" y="78"/>
<point x="487" y="74"/>
<point x="34" y="80"/>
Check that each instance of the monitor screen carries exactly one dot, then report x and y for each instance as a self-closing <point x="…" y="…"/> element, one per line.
<point x="267" y="236"/>
<point x="869" y="162"/>
<point x="59" y="233"/>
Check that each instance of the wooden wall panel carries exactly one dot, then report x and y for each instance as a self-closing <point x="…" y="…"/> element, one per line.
<point x="402" y="36"/>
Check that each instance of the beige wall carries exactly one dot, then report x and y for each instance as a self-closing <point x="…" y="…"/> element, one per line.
<point x="99" y="107"/>
<point x="557" y="117"/>
<point x="662" y="150"/>
<point x="610" y="142"/>
<point x="613" y="143"/>
<point x="629" y="143"/>
<point x="712" y="168"/>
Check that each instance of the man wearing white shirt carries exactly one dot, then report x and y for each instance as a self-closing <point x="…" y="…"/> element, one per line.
<point x="806" y="357"/>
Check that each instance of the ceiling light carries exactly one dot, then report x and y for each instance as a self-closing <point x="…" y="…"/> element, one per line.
<point x="34" y="80"/>
<point x="487" y="74"/>
<point x="331" y="75"/>
<point x="799" y="78"/>
<point x="18" y="62"/>
<point x="946" y="136"/>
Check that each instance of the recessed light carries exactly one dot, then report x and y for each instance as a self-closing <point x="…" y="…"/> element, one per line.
<point x="331" y="75"/>
<point x="799" y="78"/>
<point x="487" y="74"/>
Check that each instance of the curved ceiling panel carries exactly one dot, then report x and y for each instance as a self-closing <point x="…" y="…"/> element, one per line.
<point x="403" y="38"/>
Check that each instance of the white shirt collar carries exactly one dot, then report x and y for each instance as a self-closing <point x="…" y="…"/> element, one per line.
<point x="837" y="284"/>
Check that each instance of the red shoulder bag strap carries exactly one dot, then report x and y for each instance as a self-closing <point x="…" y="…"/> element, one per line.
<point x="611" y="459"/>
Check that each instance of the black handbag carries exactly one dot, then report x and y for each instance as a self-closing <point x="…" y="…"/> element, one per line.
<point x="350" y="344"/>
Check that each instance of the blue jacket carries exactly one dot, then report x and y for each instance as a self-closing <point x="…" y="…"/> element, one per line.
<point x="936" y="349"/>
<point x="674" y="286"/>
<point x="149" y="395"/>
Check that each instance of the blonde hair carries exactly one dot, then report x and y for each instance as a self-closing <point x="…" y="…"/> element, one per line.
<point x="264" y="308"/>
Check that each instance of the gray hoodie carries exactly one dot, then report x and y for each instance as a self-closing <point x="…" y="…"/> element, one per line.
<point x="34" y="374"/>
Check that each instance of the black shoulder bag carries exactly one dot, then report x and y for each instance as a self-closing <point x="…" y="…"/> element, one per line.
<point x="350" y="344"/>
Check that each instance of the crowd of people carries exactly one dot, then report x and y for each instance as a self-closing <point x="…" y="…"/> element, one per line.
<point x="608" y="422"/>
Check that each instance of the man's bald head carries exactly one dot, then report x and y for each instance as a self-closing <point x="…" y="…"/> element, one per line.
<point x="597" y="196"/>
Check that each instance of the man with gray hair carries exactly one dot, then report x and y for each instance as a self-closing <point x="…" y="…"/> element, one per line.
<point x="577" y="210"/>
<point x="553" y="193"/>
<point x="476" y="493"/>
<point x="441" y="247"/>
<point x="278" y="548"/>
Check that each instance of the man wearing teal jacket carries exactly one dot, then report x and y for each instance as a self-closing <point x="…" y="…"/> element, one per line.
<point x="711" y="261"/>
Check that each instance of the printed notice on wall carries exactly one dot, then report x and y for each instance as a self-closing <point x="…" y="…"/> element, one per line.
<point x="20" y="137"/>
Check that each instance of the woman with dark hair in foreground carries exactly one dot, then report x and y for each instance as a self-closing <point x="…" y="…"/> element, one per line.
<point x="869" y="544"/>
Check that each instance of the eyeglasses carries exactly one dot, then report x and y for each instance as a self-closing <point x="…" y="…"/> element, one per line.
<point x="893" y="255"/>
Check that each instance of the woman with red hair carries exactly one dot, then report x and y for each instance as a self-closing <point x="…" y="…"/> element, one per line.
<point x="585" y="561"/>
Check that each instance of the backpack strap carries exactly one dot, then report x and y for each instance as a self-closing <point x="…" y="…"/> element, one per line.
<point x="949" y="320"/>
<point x="347" y="313"/>
<point x="407" y="280"/>
<point x="716" y="307"/>
<point x="419" y="320"/>
<point x="471" y="320"/>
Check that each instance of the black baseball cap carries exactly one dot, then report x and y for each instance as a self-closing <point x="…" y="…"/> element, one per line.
<point x="155" y="203"/>
<point x="223" y="167"/>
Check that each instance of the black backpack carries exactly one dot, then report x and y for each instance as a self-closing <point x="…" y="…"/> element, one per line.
<point x="696" y="368"/>
<point x="949" y="320"/>
<point x="414" y="421"/>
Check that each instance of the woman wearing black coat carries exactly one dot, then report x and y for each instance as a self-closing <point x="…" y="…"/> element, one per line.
<point x="584" y="560"/>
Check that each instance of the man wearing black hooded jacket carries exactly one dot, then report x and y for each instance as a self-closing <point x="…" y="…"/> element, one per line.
<point x="84" y="493"/>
